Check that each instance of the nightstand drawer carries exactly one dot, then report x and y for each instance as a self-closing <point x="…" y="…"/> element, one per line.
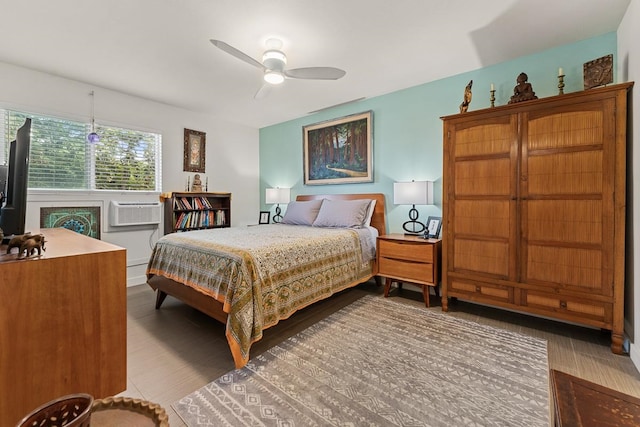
<point x="406" y="250"/>
<point x="408" y="270"/>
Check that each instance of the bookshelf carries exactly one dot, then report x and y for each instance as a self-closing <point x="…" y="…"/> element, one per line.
<point x="196" y="211"/>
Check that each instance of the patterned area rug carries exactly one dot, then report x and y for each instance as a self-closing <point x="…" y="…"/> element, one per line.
<point x="378" y="362"/>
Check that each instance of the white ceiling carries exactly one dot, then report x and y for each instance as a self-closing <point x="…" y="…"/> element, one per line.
<point x="160" y="49"/>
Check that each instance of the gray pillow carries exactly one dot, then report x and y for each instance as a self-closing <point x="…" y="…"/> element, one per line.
<point x="301" y="213"/>
<point x="342" y="213"/>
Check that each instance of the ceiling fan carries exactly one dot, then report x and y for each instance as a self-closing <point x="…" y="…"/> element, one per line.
<point x="273" y="66"/>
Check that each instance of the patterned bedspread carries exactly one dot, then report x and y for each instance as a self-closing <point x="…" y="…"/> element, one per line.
<point x="265" y="273"/>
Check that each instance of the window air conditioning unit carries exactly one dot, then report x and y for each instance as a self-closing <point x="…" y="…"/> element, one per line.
<point x="122" y="214"/>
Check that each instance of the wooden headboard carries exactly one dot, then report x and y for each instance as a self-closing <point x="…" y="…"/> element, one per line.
<point x="378" y="220"/>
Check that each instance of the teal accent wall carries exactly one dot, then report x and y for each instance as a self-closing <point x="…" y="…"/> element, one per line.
<point x="407" y="130"/>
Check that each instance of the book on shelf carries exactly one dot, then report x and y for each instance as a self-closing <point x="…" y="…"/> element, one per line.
<point x="220" y="217"/>
<point x="179" y="219"/>
<point x="185" y="203"/>
<point x="205" y="203"/>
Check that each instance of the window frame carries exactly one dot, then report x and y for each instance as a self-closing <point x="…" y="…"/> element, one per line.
<point x="91" y="157"/>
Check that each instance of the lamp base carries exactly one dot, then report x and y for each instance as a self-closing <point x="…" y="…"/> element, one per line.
<point x="277" y="217"/>
<point x="413" y="227"/>
<point x="418" y="235"/>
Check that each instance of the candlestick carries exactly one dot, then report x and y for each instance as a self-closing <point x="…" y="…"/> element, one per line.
<point x="492" y="88"/>
<point x="492" y="98"/>
<point x="206" y="184"/>
<point x="188" y="184"/>
<point x="561" y="84"/>
<point x="560" y="72"/>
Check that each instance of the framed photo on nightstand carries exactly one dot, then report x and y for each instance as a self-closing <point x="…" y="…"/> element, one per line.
<point x="264" y="217"/>
<point x="433" y="227"/>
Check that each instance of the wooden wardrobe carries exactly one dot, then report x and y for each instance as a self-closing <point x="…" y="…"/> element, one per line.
<point x="534" y="207"/>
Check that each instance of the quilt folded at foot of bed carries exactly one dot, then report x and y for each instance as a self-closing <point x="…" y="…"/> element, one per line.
<point x="262" y="274"/>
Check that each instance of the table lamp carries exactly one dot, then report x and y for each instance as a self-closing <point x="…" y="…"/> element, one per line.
<point x="277" y="196"/>
<point x="413" y="193"/>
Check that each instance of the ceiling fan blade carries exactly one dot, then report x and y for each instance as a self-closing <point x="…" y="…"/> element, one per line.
<point x="315" y="73"/>
<point x="263" y="91"/>
<point x="235" y="52"/>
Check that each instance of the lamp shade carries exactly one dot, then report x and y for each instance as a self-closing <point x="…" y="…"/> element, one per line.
<point x="413" y="193"/>
<point x="278" y="195"/>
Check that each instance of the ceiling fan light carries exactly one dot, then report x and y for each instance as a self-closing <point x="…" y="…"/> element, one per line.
<point x="274" y="60"/>
<point x="274" y="55"/>
<point x="273" y="77"/>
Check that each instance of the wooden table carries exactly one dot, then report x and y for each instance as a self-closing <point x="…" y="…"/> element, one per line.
<point x="62" y="323"/>
<point x="410" y="259"/>
<point x="581" y="403"/>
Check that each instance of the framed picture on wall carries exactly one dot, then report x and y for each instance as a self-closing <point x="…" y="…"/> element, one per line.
<point x="194" y="150"/>
<point x="339" y="151"/>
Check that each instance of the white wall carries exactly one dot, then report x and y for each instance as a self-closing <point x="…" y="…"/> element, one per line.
<point x="629" y="70"/>
<point x="232" y="163"/>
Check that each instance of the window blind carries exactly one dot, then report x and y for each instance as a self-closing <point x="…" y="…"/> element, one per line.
<point x="61" y="157"/>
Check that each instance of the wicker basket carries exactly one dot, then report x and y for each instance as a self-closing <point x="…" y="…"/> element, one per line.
<point x="73" y="410"/>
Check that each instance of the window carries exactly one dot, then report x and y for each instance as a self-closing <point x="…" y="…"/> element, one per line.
<point x="61" y="158"/>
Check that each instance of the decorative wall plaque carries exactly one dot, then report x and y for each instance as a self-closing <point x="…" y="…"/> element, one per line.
<point x="598" y="72"/>
<point x="83" y="220"/>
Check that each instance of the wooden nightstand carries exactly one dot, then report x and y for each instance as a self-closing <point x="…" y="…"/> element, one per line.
<point x="409" y="259"/>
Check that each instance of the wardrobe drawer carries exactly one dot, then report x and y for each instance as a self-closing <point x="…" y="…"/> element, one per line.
<point x="480" y="291"/>
<point x="581" y="310"/>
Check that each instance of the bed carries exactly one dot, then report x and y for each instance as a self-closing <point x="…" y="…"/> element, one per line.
<point x="250" y="278"/>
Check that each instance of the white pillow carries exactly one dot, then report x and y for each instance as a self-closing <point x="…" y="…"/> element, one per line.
<point x="342" y="213"/>
<point x="301" y="213"/>
<point x="367" y="220"/>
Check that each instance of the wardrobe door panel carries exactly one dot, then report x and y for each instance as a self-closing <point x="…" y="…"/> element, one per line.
<point x="482" y="256"/>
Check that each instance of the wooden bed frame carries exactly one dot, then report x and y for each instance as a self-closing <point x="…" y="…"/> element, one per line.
<point x="213" y="308"/>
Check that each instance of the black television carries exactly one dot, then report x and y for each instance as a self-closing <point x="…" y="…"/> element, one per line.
<point x="14" y="204"/>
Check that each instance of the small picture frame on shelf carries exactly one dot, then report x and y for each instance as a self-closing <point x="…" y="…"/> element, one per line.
<point x="264" y="217"/>
<point x="432" y="230"/>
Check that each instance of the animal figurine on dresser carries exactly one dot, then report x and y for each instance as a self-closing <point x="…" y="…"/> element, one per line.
<point x="17" y="241"/>
<point x="27" y="244"/>
<point x="31" y="245"/>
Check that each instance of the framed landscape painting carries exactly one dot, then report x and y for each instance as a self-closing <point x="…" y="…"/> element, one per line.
<point x="339" y="151"/>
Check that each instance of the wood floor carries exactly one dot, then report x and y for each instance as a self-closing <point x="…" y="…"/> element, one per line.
<point x="175" y="350"/>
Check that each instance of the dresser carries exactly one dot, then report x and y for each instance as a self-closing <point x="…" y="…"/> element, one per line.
<point x="63" y="323"/>
<point x="411" y="259"/>
<point x="534" y="200"/>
